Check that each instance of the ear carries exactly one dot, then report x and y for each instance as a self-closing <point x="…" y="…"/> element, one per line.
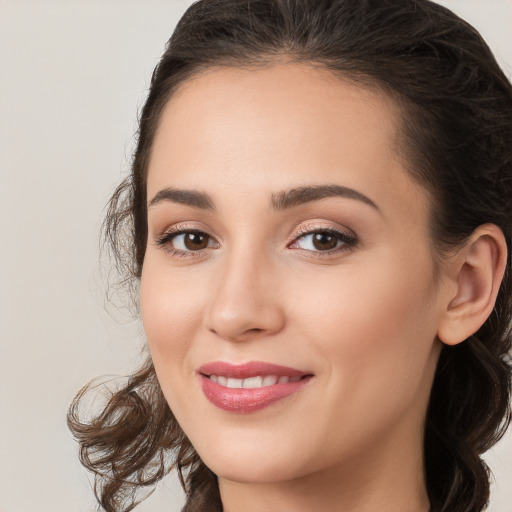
<point x="477" y="270"/>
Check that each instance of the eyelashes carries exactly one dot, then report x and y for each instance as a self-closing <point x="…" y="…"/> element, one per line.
<point x="325" y="241"/>
<point x="185" y="242"/>
<point x="315" y="241"/>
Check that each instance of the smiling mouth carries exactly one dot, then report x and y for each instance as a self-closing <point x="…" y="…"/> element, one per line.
<point x="249" y="387"/>
<point x="253" y="382"/>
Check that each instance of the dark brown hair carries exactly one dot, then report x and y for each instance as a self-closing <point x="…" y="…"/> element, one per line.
<point x="456" y="107"/>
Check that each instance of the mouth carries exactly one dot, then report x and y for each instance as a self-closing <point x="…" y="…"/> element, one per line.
<point x="249" y="387"/>
<point x="260" y="381"/>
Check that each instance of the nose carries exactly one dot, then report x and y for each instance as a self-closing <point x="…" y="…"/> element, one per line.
<point x="245" y="302"/>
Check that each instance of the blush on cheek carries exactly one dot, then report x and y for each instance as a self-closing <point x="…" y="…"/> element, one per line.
<point x="170" y="318"/>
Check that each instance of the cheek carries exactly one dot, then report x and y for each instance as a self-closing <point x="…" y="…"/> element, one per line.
<point x="373" y="322"/>
<point x="171" y="315"/>
<point x="374" y="332"/>
<point x="171" y="319"/>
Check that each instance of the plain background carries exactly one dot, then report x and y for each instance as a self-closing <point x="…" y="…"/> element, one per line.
<point x="73" y="74"/>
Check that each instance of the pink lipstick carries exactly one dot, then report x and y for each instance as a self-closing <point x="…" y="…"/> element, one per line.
<point x="249" y="387"/>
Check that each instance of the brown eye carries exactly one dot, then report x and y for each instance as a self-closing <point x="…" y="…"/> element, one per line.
<point x="195" y="240"/>
<point x="187" y="241"/>
<point x="324" y="241"/>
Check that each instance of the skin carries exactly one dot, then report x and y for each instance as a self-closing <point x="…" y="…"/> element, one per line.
<point x="363" y="319"/>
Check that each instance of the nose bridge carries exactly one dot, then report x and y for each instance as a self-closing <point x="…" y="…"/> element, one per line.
<point x="244" y="302"/>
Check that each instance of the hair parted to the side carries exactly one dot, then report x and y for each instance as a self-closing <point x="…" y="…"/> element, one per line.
<point x="456" y="107"/>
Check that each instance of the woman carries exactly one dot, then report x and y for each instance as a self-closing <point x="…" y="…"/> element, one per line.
<point x="319" y="216"/>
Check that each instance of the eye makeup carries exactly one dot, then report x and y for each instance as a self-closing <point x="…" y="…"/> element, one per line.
<point x="322" y="241"/>
<point x="316" y="241"/>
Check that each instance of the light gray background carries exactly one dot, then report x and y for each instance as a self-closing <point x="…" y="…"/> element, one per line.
<point x="72" y="76"/>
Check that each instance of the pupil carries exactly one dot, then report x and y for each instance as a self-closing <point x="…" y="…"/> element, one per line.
<point x="324" y="241"/>
<point x="195" y="241"/>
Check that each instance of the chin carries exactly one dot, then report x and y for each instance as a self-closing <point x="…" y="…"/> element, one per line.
<point x="243" y="463"/>
<point x="257" y="471"/>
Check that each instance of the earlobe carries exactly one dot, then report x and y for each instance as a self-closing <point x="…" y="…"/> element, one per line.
<point x="477" y="269"/>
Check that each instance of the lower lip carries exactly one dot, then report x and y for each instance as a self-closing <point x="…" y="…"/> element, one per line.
<point x="241" y="400"/>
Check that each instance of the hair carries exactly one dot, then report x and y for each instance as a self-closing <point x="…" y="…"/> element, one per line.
<point x="456" y="106"/>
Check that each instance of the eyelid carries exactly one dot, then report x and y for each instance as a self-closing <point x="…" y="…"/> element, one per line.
<point x="184" y="227"/>
<point x="318" y="226"/>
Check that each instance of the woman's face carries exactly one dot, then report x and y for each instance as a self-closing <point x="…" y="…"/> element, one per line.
<point x="284" y="230"/>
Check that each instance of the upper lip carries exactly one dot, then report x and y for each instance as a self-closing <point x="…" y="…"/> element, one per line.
<point x="250" y="369"/>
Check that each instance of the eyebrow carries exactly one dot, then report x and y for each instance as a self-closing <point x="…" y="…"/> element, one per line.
<point x="302" y="195"/>
<point x="192" y="198"/>
<point x="279" y="201"/>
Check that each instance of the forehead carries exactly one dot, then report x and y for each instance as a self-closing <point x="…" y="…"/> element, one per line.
<point x="278" y="127"/>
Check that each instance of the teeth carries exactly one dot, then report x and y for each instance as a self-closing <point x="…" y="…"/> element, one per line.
<point x="269" y="380"/>
<point x="252" y="382"/>
<point x="234" y="383"/>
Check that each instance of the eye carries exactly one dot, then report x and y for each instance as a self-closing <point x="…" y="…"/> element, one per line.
<point x="191" y="241"/>
<point x="180" y="242"/>
<point x="323" y="240"/>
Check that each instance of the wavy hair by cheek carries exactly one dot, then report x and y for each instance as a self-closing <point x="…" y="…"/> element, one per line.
<point x="456" y="141"/>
